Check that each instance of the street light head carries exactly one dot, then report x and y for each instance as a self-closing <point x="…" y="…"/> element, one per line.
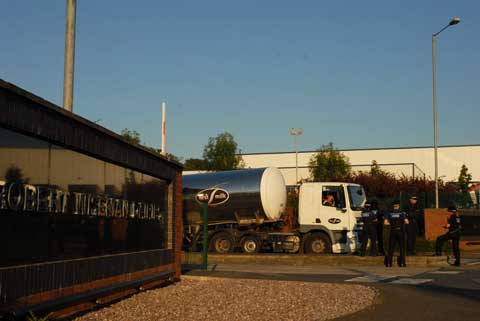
<point x="454" y="21"/>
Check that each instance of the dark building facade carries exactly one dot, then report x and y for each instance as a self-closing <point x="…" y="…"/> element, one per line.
<point x="83" y="213"/>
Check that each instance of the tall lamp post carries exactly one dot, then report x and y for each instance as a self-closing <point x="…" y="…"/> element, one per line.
<point x="296" y="133"/>
<point x="453" y="22"/>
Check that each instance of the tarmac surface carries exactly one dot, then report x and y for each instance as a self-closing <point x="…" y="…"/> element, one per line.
<point x="411" y="293"/>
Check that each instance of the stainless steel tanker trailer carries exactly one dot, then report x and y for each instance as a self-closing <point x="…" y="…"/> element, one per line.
<point x="246" y="211"/>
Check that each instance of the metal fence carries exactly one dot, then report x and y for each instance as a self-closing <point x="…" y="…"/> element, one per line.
<point x="24" y="280"/>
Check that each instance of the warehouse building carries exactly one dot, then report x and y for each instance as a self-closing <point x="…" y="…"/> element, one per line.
<point x="409" y="161"/>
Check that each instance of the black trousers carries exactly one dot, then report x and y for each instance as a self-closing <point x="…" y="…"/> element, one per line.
<point x="396" y="237"/>
<point x="455" y="244"/>
<point x="412" y="231"/>
<point x="370" y="233"/>
<point x="379" y="229"/>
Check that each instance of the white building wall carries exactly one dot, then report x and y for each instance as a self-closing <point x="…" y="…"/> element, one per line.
<point x="399" y="160"/>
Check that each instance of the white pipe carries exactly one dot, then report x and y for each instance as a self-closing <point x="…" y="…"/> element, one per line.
<point x="164" y="128"/>
<point x="69" y="55"/>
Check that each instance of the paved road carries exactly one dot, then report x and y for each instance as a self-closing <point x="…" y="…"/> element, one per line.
<point x="411" y="293"/>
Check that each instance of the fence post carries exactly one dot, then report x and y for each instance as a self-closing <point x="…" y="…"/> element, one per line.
<point x="205" y="236"/>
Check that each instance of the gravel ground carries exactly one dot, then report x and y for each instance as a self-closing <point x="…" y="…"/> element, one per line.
<point x="212" y="299"/>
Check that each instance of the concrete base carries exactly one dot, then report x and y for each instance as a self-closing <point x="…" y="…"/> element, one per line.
<point x="299" y="260"/>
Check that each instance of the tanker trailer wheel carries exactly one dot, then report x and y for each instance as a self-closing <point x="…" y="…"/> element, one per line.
<point x="318" y="243"/>
<point x="250" y="244"/>
<point x="221" y="242"/>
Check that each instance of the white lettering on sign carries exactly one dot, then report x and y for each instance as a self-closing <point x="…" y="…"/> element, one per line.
<point x="19" y="197"/>
<point x="212" y="196"/>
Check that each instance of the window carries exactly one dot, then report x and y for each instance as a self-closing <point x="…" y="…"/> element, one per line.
<point x="357" y="197"/>
<point x="57" y="203"/>
<point x="332" y="196"/>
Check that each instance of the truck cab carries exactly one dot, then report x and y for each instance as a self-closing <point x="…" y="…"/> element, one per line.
<point x="328" y="215"/>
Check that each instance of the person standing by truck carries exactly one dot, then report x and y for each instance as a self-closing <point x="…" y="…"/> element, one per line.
<point x="378" y="226"/>
<point x="412" y="228"/>
<point x="397" y="220"/>
<point x="369" y="219"/>
<point x="454" y="228"/>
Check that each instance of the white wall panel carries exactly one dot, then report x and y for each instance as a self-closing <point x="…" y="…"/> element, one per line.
<point x="450" y="159"/>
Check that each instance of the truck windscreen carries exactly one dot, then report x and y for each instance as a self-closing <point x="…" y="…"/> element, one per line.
<point x="357" y="197"/>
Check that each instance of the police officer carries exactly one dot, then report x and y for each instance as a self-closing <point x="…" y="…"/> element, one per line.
<point x="369" y="219"/>
<point x="454" y="229"/>
<point x="397" y="221"/>
<point x="379" y="226"/>
<point x="413" y="215"/>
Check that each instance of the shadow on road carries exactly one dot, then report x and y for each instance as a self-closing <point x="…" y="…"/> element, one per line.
<point x="434" y="289"/>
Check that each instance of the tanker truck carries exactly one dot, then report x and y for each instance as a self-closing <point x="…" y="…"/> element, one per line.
<point x="246" y="211"/>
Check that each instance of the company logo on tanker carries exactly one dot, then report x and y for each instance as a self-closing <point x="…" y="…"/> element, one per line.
<point x="212" y="196"/>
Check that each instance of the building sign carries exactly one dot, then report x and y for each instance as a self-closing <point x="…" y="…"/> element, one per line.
<point x="29" y="198"/>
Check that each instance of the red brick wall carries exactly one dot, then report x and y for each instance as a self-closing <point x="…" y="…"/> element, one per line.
<point x="81" y="288"/>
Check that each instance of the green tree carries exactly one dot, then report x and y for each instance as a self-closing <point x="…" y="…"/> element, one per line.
<point x="195" y="164"/>
<point x="464" y="179"/>
<point x="328" y="164"/>
<point x="221" y="153"/>
<point x="131" y="136"/>
<point x="174" y="158"/>
<point x="376" y="170"/>
<point x="168" y="156"/>
<point x="15" y="174"/>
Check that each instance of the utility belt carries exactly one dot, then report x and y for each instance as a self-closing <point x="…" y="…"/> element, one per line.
<point x="455" y="232"/>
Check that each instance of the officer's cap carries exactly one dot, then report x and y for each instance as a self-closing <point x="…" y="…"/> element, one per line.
<point x="367" y="204"/>
<point x="413" y="197"/>
<point x="395" y="202"/>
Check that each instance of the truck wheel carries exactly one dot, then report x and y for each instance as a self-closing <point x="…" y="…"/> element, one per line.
<point x="318" y="244"/>
<point x="250" y="245"/>
<point x="221" y="243"/>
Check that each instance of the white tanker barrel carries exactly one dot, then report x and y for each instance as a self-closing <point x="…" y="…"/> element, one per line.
<point x="246" y="194"/>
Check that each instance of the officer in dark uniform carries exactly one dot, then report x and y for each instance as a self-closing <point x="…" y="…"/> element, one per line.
<point x="413" y="215"/>
<point x="397" y="221"/>
<point x="378" y="226"/>
<point x="454" y="227"/>
<point x="369" y="219"/>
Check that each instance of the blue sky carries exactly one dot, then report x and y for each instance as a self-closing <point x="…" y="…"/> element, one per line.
<point x="356" y="73"/>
